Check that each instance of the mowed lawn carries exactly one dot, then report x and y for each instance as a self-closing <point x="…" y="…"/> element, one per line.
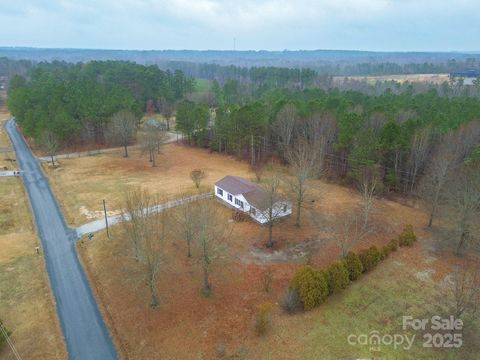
<point x="80" y="184"/>
<point x="26" y="303"/>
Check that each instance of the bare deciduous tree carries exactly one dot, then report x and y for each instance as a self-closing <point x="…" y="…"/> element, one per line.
<point x="166" y="108"/>
<point x="147" y="230"/>
<point x="369" y="184"/>
<point x="464" y="290"/>
<point x="135" y="217"/>
<point x="258" y="170"/>
<point x="210" y="235"/>
<point x="271" y="204"/>
<point x="284" y="125"/>
<point x="153" y="138"/>
<point x="445" y="159"/>
<point x="463" y="196"/>
<point x="321" y="130"/>
<point x="302" y="157"/>
<point x="153" y="249"/>
<point x="186" y="216"/>
<point x="50" y="144"/>
<point x="418" y="155"/>
<point x="123" y="129"/>
<point x="376" y="122"/>
<point x="349" y="230"/>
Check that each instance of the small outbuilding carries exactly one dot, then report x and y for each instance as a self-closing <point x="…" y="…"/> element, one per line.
<point x="243" y="195"/>
<point x="160" y="125"/>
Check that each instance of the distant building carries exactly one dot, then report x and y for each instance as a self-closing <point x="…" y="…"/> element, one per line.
<point x="468" y="76"/>
<point x="247" y="197"/>
<point x="3" y="82"/>
<point x="156" y="123"/>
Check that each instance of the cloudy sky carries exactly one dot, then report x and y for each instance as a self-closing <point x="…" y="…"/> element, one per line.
<point x="384" y="25"/>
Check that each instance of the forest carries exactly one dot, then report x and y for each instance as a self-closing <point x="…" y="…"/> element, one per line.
<point x="76" y="102"/>
<point x="351" y="128"/>
<point x="396" y="131"/>
<point x="346" y="68"/>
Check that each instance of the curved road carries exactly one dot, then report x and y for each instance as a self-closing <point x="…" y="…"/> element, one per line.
<point x="85" y="333"/>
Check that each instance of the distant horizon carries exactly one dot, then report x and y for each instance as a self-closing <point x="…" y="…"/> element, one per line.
<point x="466" y="52"/>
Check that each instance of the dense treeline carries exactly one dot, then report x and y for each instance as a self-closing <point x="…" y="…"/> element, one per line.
<point x="10" y="67"/>
<point x="270" y="76"/>
<point x="75" y="102"/>
<point x="214" y="71"/>
<point x="388" y="68"/>
<point x="390" y="132"/>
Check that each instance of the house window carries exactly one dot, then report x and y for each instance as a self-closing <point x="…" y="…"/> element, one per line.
<point x="252" y="211"/>
<point x="239" y="203"/>
<point x="219" y="191"/>
<point x="230" y="197"/>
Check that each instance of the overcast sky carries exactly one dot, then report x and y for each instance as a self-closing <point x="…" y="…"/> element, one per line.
<point x="384" y="25"/>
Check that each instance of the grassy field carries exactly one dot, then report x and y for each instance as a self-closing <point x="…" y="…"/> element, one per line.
<point x="6" y="157"/>
<point x="428" y="78"/>
<point x="26" y="304"/>
<point x="202" y="85"/>
<point x="80" y="184"/>
<point x="188" y="326"/>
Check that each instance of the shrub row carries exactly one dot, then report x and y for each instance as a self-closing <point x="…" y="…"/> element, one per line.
<point x="310" y="287"/>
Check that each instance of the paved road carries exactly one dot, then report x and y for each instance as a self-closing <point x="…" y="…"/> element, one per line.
<point x="98" y="225"/>
<point x="9" y="173"/>
<point x="85" y="333"/>
<point x="171" y="138"/>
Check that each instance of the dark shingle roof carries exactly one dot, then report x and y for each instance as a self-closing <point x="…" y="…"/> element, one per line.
<point x="254" y="194"/>
<point x="235" y="185"/>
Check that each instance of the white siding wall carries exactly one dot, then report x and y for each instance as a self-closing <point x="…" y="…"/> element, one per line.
<point x="262" y="218"/>
<point x="224" y="197"/>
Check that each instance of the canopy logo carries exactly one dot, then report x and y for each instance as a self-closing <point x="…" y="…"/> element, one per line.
<point x="437" y="332"/>
<point x="375" y="340"/>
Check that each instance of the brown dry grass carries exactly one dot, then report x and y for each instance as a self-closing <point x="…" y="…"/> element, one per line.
<point x="5" y="157"/>
<point x="80" y="184"/>
<point x="428" y="78"/>
<point x="26" y="304"/>
<point x="189" y="326"/>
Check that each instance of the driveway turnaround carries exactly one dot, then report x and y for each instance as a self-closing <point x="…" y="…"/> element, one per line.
<point x="85" y="333"/>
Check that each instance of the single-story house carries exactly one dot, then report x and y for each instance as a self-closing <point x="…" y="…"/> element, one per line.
<point x="245" y="196"/>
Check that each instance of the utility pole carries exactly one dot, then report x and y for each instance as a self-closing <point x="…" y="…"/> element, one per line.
<point x="106" y="218"/>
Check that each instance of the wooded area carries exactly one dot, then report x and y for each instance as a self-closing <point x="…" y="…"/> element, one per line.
<point x="76" y="102"/>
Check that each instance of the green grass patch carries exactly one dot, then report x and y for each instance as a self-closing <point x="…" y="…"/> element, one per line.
<point x="202" y="85"/>
<point x="376" y="302"/>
